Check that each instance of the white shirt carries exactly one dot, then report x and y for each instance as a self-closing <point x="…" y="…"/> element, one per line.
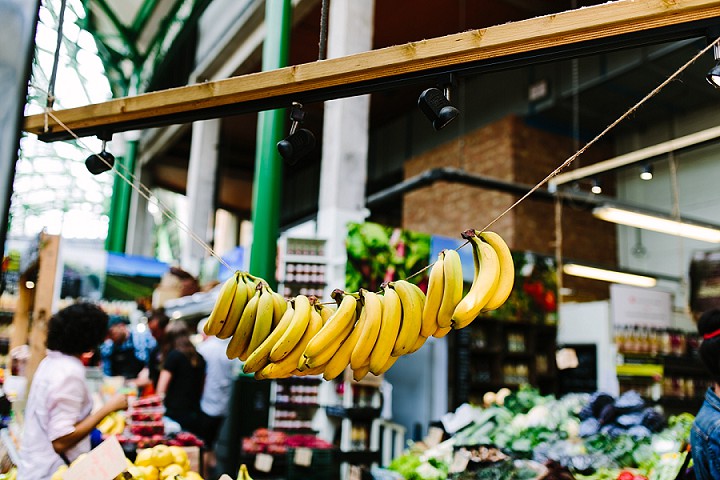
<point x="59" y="398"/>
<point x="219" y="374"/>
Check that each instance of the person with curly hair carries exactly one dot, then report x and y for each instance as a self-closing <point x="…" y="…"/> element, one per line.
<point x="59" y="414"/>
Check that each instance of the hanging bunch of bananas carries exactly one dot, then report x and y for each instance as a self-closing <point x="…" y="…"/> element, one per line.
<point x="367" y="331"/>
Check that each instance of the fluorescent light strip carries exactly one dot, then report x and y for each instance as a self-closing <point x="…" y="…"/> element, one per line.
<point x="608" y="275"/>
<point x="657" y="224"/>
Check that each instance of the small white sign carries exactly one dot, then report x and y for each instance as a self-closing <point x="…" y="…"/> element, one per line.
<point x="263" y="462"/>
<point x="355" y="473"/>
<point x="303" y="457"/>
<point x="566" y="358"/>
<point x="640" y="306"/>
<point x="104" y="462"/>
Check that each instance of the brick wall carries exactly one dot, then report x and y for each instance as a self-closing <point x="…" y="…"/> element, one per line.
<point x="512" y="151"/>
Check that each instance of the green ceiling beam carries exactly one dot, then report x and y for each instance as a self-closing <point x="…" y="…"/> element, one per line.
<point x="143" y="15"/>
<point x="122" y="29"/>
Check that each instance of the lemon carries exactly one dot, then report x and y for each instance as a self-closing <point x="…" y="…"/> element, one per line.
<point x="170" y="471"/>
<point x="161" y="456"/>
<point x="179" y="455"/>
<point x="144" y="457"/>
<point x="150" y="472"/>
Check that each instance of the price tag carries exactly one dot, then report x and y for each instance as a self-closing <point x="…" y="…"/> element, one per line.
<point x="355" y="473"/>
<point x="460" y="461"/>
<point x="434" y="436"/>
<point x="104" y="462"/>
<point x="263" y="462"/>
<point x="303" y="457"/>
<point x="566" y="358"/>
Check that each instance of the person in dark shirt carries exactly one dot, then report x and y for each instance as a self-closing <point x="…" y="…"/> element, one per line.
<point x="125" y="352"/>
<point x="181" y="380"/>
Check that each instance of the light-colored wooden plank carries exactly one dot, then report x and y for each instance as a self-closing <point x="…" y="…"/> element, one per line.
<point x="21" y="316"/>
<point x="44" y="294"/>
<point x="493" y="43"/>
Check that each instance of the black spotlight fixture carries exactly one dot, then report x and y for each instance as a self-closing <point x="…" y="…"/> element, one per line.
<point x="98" y="163"/>
<point x="436" y="106"/>
<point x="713" y="76"/>
<point x="300" y="142"/>
<point x="647" y="172"/>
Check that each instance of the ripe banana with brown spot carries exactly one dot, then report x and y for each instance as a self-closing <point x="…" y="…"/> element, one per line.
<point x="337" y="325"/>
<point x="261" y="355"/>
<point x="419" y="343"/>
<point x="485" y="281"/>
<point x="295" y="331"/>
<point x="236" y="309"/>
<point x="373" y="309"/>
<point x="341" y="359"/>
<point x="240" y="340"/>
<point x="263" y="319"/>
<point x="389" y="328"/>
<point x="289" y="363"/>
<point x="433" y="299"/>
<point x="279" y="307"/>
<point x="411" y="318"/>
<point x="452" y="287"/>
<point x="507" y="270"/>
<point x="220" y="310"/>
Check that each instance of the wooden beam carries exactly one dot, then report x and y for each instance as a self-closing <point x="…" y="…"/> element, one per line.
<point x="609" y="25"/>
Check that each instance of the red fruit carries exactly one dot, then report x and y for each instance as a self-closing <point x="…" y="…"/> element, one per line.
<point x="625" y="475"/>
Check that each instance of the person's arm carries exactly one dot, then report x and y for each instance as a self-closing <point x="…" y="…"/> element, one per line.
<point x="163" y="382"/>
<point x="85" y="426"/>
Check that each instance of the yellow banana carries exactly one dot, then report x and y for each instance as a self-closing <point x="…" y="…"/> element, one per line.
<point x="370" y="329"/>
<point x="484" y="284"/>
<point x="263" y="319"/>
<point x="236" y="309"/>
<point x="325" y="355"/>
<point x="360" y="372"/>
<point x="295" y="331"/>
<point x="261" y="355"/>
<point x="390" y="362"/>
<point x="240" y="340"/>
<point x="345" y="315"/>
<point x="326" y="311"/>
<point x="220" y="310"/>
<point x="433" y="298"/>
<point x="442" y="331"/>
<point x="411" y="318"/>
<point x="312" y="371"/>
<point x="287" y="365"/>
<point x="279" y="307"/>
<point x="389" y="328"/>
<point x="419" y="343"/>
<point x="341" y="359"/>
<point x="452" y="287"/>
<point x="252" y="283"/>
<point x="420" y="294"/>
<point x="507" y="270"/>
<point x="316" y="323"/>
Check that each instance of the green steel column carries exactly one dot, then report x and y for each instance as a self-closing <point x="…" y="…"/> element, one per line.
<point x="120" y="202"/>
<point x="267" y="183"/>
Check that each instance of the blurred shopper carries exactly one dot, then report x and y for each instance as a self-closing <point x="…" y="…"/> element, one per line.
<point x="705" y="436"/>
<point x="58" y="418"/>
<point x="219" y="377"/>
<point x="181" y="380"/>
<point x="157" y="322"/>
<point x="125" y="352"/>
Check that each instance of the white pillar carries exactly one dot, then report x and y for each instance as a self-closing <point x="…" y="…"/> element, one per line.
<point x="140" y="222"/>
<point x="200" y="192"/>
<point x="345" y="140"/>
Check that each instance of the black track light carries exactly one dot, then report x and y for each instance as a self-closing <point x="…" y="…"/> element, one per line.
<point x="437" y="108"/>
<point x="300" y="142"/>
<point x="713" y="76"/>
<point x="98" y="163"/>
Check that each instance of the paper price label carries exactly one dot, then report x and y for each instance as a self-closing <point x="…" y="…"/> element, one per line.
<point x="566" y="358"/>
<point x="434" y="436"/>
<point x="460" y="461"/>
<point x="355" y="473"/>
<point x="263" y="462"/>
<point x="303" y="457"/>
<point x="104" y="462"/>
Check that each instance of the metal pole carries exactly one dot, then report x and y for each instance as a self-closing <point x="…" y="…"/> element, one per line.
<point x="267" y="182"/>
<point x="120" y="202"/>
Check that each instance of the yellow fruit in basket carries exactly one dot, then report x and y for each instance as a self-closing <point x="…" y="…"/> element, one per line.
<point x="150" y="472"/>
<point x="193" y="476"/>
<point x="171" y="470"/>
<point x="58" y="475"/>
<point x="161" y="456"/>
<point x="144" y="457"/>
<point x="137" y="473"/>
<point x="179" y="456"/>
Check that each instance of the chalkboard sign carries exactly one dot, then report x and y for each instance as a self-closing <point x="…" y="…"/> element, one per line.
<point x="583" y="378"/>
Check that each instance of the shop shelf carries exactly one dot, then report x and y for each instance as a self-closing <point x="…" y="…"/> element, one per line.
<point x="354" y="413"/>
